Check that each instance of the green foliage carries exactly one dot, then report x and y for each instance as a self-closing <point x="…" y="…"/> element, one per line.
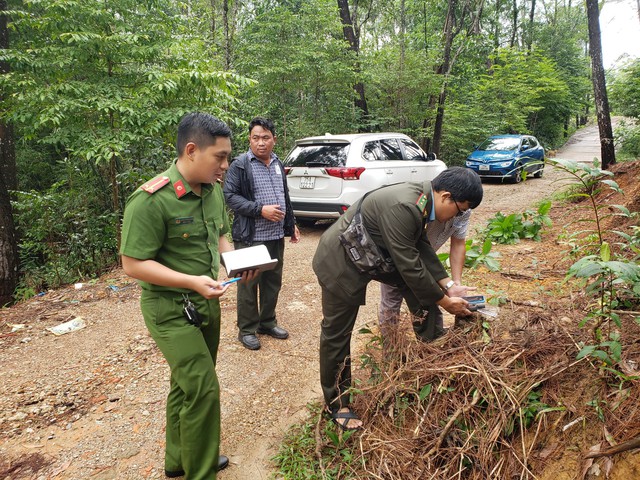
<point x="103" y="82"/>
<point x="597" y="271"/>
<point x="477" y="255"/>
<point x="62" y="238"/>
<point x="101" y="85"/>
<point x="610" y="279"/>
<point x="624" y="90"/>
<point x="627" y="136"/>
<point x="519" y="93"/>
<point x="528" y="412"/>
<point x="302" y="68"/>
<point x="505" y="229"/>
<point x="98" y="88"/>
<point x="609" y="352"/>
<point x="534" y="221"/>
<point x="562" y="40"/>
<point x="509" y="229"/>
<point x="297" y="458"/>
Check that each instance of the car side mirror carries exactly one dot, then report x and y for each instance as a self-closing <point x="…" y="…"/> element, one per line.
<point x="475" y="147"/>
<point x="431" y="156"/>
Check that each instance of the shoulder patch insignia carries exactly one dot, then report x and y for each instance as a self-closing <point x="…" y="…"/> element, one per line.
<point x="178" y="187"/>
<point x="154" y="185"/>
<point x="422" y="202"/>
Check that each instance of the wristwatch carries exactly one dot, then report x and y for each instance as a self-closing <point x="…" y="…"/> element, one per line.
<point x="449" y="284"/>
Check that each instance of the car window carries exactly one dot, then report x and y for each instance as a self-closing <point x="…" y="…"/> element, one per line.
<point x="333" y="155"/>
<point x="390" y="149"/>
<point x="371" y="151"/>
<point x="500" y="143"/>
<point x="533" y="141"/>
<point x="411" y="150"/>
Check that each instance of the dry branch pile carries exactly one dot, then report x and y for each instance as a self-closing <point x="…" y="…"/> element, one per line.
<point x="463" y="406"/>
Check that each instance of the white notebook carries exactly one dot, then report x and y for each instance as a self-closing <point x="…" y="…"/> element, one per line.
<point x="250" y="258"/>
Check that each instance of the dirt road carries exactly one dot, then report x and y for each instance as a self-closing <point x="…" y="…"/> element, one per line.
<point x="90" y="404"/>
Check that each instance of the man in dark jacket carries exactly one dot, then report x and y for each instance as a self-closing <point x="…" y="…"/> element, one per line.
<point x="255" y="188"/>
<point x="395" y="217"/>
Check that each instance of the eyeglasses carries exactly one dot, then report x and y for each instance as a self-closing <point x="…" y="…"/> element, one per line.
<point x="460" y="212"/>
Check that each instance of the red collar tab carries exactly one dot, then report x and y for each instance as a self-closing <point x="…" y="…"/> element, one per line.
<point x="178" y="187"/>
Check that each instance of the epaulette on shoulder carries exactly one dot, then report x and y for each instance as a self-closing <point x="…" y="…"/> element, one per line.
<point x="422" y="202"/>
<point x="152" y="186"/>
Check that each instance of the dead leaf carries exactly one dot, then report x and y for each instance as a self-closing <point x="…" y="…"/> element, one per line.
<point x="629" y="367"/>
<point x="57" y="471"/>
<point x="607" y="466"/>
<point x="548" y="450"/>
<point x="33" y="445"/>
<point x="595" y="470"/>
<point x="588" y="463"/>
<point x="609" y="437"/>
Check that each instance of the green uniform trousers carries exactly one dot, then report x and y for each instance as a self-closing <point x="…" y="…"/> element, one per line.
<point x="339" y="318"/>
<point x="254" y="314"/>
<point x="193" y="403"/>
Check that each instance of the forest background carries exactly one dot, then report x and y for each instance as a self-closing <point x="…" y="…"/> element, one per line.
<point x="91" y="92"/>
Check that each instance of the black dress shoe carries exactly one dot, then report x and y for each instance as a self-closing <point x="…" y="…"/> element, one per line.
<point x="275" y="332"/>
<point x="174" y="474"/>
<point x="249" y="341"/>
<point x="223" y="462"/>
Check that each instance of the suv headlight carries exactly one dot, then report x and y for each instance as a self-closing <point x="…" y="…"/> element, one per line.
<point x="505" y="164"/>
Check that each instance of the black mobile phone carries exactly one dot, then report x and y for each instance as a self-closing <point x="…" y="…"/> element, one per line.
<point x="475" y="302"/>
<point x="475" y="299"/>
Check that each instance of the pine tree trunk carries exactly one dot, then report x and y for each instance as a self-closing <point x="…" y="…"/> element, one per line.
<point x="8" y="240"/>
<point x="354" y="44"/>
<point x="444" y="69"/>
<point x="603" y="114"/>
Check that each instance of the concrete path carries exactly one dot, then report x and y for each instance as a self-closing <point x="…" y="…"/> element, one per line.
<point x="584" y="145"/>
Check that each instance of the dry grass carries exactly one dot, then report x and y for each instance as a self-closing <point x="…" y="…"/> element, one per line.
<point x="480" y="419"/>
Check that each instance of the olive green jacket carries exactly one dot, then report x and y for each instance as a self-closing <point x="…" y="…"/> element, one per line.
<point x="396" y="222"/>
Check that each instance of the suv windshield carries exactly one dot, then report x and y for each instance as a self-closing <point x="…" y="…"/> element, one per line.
<point x="500" y="143"/>
<point x="332" y="155"/>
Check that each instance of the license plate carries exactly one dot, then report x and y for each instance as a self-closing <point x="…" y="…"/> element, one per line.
<point x="484" y="167"/>
<point x="307" y="182"/>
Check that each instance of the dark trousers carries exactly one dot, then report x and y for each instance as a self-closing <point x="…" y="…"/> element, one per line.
<point x="339" y="318"/>
<point x="390" y="302"/>
<point x="257" y="299"/>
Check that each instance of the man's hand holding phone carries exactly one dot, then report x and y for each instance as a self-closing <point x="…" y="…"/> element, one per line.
<point x="475" y="302"/>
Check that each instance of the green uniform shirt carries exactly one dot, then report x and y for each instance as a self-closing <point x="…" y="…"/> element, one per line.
<point x="172" y="225"/>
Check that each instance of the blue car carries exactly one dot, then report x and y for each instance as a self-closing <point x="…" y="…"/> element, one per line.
<point x="508" y="157"/>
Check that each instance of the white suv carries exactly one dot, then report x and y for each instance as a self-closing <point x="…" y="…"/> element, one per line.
<point x="327" y="174"/>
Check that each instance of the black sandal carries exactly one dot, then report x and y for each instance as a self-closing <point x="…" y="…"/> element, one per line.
<point x="341" y="419"/>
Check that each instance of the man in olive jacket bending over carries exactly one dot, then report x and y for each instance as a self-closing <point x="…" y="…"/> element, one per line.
<point x="395" y="216"/>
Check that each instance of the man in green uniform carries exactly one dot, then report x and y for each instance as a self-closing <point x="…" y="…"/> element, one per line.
<point x="173" y="230"/>
<point x="395" y="216"/>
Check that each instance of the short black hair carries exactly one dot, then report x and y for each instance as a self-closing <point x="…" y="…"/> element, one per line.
<point x="200" y="128"/>
<point x="265" y="123"/>
<point x="463" y="184"/>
